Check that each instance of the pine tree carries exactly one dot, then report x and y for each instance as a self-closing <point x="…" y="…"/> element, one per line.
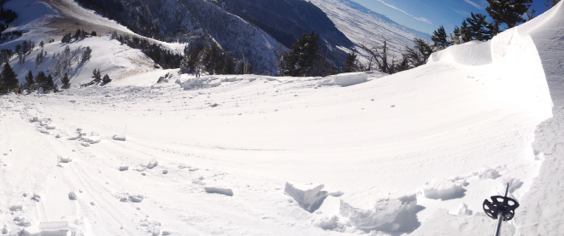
<point x="350" y="63"/>
<point x="424" y="49"/>
<point x="97" y="76"/>
<point x="466" y="35"/>
<point x="40" y="80"/>
<point x="478" y="28"/>
<point x="106" y="79"/>
<point x="66" y="81"/>
<point x="29" y="82"/>
<point x="50" y="85"/>
<point x="86" y="54"/>
<point x="456" y="36"/>
<point x="9" y="83"/>
<point x="439" y="38"/>
<point x="300" y="60"/>
<point x="509" y="12"/>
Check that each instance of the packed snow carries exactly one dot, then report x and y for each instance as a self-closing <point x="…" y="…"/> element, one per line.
<point x="414" y="153"/>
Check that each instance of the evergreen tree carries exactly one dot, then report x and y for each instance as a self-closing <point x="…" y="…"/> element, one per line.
<point x="86" y="54"/>
<point x="466" y="35"/>
<point x="97" y="76"/>
<point x="509" y="12"/>
<point x="66" y="81"/>
<point x="229" y="67"/>
<point x="424" y="48"/>
<point x="350" y="63"/>
<point x="439" y="38"/>
<point x="478" y="28"/>
<point x="41" y="80"/>
<point x="9" y="81"/>
<point x="106" y="79"/>
<point x="456" y="36"/>
<point x="300" y="60"/>
<point x="50" y="85"/>
<point x="29" y="82"/>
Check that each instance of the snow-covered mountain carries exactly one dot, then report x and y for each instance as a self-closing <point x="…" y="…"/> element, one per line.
<point x="177" y="20"/>
<point x="364" y="26"/>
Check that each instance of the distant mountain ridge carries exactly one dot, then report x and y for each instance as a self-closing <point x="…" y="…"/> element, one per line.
<point x="364" y="26"/>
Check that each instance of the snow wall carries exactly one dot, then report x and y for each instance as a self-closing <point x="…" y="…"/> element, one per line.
<point x="515" y="60"/>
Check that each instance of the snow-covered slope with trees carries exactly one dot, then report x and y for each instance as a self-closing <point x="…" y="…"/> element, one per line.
<point x="363" y="26"/>
<point x="413" y="153"/>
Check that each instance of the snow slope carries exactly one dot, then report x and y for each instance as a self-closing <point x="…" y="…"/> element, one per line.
<point x="412" y="153"/>
<point x="363" y="26"/>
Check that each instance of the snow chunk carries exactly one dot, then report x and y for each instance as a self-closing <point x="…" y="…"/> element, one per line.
<point x="224" y="191"/>
<point x="461" y="210"/>
<point x="65" y="159"/>
<point x="31" y="231"/>
<point x="72" y="196"/>
<point x="16" y="208"/>
<point x="443" y="189"/>
<point x="50" y="127"/>
<point x="123" y="168"/>
<point x="152" y="164"/>
<point x="119" y="137"/>
<point x="57" y="228"/>
<point x="136" y="198"/>
<point x="22" y="221"/>
<point x="309" y="199"/>
<point x="388" y="215"/>
<point x="489" y="174"/>
<point x="347" y="79"/>
<point x="331" y="223"/>
<point x="92" y="139"/>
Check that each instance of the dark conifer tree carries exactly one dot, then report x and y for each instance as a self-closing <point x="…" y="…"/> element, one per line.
<point x="9" y="81"/>
<point x="40" y="79"/>
<point x="106" y="79"/>
<point x="50" y="85"/>
<point x="350" y="63"/>
<point x="509" y="12"/>
<point x="478" y="28"/>
<point x="29" y="82"/>
<point x="300" y="60"/>
<point x="97" y="76"/>
<point x="66" y="81"/>
<point x="439" y="38"/>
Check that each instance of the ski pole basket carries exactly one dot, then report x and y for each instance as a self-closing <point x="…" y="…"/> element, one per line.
<point x="501" y="208"/>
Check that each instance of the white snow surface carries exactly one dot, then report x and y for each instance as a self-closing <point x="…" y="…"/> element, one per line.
<point x="414" y="153"/>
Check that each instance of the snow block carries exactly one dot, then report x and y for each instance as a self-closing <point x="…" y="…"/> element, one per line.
<point x="31" y="231"/>
<point x="443" y="189"/>
<point x="224" y="191"/>
<point x="65" y="159"/>
<point x="119" y="137"/>
<point x="152" y="164"/>
<point x="136" y="198"/>
<point x="347" y="79"/>
<point x="92" y="139"/>
<point x="389" y="215"/>
<point x="58" y="228"/>
<point x="310" y="199"/>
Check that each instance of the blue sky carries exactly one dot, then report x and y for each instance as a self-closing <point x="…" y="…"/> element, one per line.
<point x="427" y="15"/>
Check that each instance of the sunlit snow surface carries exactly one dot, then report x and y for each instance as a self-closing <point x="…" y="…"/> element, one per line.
<point x="413" y="153"/>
